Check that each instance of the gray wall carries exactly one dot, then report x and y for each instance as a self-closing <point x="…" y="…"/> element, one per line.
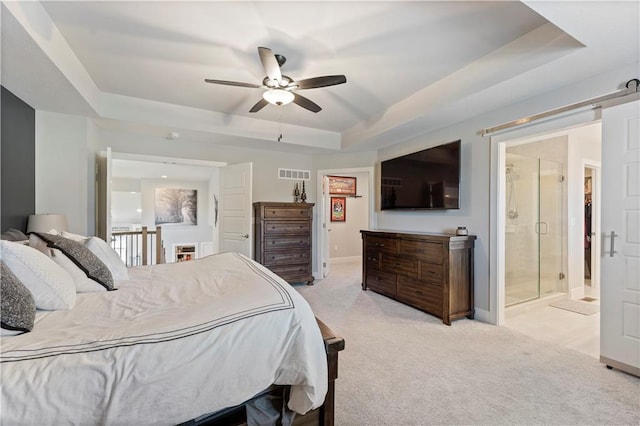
<point x="17" y="152"/>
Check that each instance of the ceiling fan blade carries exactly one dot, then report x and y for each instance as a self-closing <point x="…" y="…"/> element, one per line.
<point x="306" y="103"/>
<point x="327" y="80"/>
<point x="270" y="64"/>
<point x="259" y="105"/>
<point x="233" y="83"/>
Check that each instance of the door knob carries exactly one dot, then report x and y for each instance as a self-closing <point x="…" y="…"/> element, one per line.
<point x="245" y="235"/>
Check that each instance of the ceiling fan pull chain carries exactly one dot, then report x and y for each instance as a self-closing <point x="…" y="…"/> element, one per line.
<point x="280" y="124"/>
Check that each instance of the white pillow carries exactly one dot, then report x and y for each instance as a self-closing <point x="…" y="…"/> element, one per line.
<point x="83" y="283"/>
<point x="51" y="286"/>
<point x="74" y="237"/>
<point x="109" y="257"/>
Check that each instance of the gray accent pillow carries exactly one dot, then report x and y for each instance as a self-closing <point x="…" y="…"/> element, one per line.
<point x="17" y="307"/>
<point x="13" y="234"/>
<point x="83" y="257"/>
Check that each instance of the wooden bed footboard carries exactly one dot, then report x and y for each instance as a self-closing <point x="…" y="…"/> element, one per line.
<point x="322" y="416"/>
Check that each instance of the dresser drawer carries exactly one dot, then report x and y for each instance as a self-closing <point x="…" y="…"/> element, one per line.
<point x="432" y="273"/>
<point x="399" y="265"/>
<point x="278" y="212"/>
<point x="421" y="250"/>
<point x="275" y="242"/>
<point x="287" y="227"/>
<point x="381" y="245"/>
<point x="382" y="282"/>
<point x="423" y="295"/>
<point x="288" y="257"/>
<point x="373" y="260"/>
<point x="292" y="273"/>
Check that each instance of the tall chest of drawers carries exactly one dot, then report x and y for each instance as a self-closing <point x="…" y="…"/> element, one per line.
<point x="431" y="272"/>
<point x="283" y="239"/>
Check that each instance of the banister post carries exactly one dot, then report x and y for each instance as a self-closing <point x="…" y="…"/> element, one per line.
<point x="144" y="245"/>
<point x="159" y="245"/>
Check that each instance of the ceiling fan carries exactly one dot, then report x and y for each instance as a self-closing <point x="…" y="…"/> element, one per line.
<point x="280" y="89"/>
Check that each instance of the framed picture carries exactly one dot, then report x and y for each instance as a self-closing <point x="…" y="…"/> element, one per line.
<point x="338" y="209"/>
<point x="176" y="206"/>
<point x="342" y="185"/>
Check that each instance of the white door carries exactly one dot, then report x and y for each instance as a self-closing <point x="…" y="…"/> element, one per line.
<point x="620" y="262"/>
<point x="326" y="226"/>
<point x="236" y="209"/>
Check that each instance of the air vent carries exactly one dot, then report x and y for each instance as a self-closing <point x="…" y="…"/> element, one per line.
<point x="294" y="174"/>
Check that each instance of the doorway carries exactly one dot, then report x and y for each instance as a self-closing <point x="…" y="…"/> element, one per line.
<point x="340" y="240"/>
<point x="531" y="167"/>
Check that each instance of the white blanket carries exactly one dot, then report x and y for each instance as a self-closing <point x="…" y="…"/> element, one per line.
<point x="172" y="343"/>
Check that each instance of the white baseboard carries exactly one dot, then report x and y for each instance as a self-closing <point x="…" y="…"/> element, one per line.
<point x="482" y="316"/>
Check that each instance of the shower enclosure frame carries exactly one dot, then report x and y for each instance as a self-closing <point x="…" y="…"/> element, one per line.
<point x="534" y="231"/>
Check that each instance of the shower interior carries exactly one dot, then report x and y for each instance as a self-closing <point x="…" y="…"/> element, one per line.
<point x="534" y="229"/>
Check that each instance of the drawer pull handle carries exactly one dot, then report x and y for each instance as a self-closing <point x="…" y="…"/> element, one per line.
<point x="397" y="264"/>
<point x="419" y="292"/>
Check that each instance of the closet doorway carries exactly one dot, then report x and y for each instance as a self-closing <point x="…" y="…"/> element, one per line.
<point x="591" y="172"/>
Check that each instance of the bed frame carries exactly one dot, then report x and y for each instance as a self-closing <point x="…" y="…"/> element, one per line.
<point x="322" y="416"/>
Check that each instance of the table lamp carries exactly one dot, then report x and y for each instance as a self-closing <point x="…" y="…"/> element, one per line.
<point x="47" y="222"/>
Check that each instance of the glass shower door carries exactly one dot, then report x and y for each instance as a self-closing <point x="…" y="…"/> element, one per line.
<point x="534" y="231"/>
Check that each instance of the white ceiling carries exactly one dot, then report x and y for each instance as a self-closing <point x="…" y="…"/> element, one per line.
<point x="151" y="169"/>
<point x="411" y="66"/>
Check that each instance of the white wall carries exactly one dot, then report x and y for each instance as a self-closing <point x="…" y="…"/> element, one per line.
<point x="63" y="169"/>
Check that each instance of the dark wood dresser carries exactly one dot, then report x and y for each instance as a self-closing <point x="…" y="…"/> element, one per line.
<point x="431" y="272"/>
<point x="283" y="239"/>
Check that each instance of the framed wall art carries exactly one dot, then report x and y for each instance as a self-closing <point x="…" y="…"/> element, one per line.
<point x="338" y="209"/>
<point x="175" y="206"/>
<point x="342" y="185"/>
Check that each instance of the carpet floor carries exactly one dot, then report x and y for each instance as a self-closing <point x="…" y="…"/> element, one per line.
<point x="404" y="367"/>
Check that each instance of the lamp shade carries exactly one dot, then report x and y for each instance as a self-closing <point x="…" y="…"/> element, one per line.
<point x="47" y="222"/>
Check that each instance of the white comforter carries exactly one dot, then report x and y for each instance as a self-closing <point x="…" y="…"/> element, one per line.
<point x="172" y="343"/>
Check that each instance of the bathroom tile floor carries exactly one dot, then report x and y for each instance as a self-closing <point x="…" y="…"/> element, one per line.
<point x="570" y="329"/>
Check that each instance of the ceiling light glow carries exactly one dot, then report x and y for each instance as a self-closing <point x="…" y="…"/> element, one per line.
<point x="278" y="96"/>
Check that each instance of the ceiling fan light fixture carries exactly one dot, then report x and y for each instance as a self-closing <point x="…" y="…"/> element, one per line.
<point x="278" y="96"/>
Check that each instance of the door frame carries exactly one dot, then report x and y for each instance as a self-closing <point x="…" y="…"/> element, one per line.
<point x="322" y="230"/>
<point x="497" y="219"/>
<point x="103" y="207"/>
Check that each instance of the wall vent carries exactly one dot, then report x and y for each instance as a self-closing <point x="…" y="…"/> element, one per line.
<point x="294" y="174"/>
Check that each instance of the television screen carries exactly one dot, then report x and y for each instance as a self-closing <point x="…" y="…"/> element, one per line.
<point x="427" y="179"/>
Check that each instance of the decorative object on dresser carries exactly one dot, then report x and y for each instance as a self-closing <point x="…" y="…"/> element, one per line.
<point x="283" y="239"/>
<point x="431" y="272"/>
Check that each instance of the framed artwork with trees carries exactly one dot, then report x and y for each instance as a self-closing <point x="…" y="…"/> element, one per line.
<point x="175" y="206"/>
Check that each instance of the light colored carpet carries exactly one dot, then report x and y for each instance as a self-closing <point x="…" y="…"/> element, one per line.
<point x="584" y="308"/>
<point x="404" y="367"/>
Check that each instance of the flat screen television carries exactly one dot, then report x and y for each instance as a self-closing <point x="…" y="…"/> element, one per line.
<point x="427" y="179"/>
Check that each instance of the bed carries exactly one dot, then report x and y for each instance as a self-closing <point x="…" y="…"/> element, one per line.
<point x="189" y="342"/>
